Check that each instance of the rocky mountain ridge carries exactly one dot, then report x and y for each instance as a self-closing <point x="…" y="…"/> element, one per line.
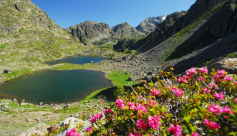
<point x="150" y="23"/>
<point x="182" y="49"/>
<point x="95" y="33"/>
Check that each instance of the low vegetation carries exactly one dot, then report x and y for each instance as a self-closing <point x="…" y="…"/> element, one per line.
<point x="194" y="104"/>
<point x="120" y="78"/>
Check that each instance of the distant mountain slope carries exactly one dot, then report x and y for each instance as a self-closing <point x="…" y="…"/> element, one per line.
<point x="28" y="37"/>
<point x="95" y="33"/>
<point x="24" y="22"/>
<point x="150" y="23"/>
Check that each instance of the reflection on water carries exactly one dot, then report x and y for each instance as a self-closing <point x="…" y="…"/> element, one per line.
<point x="54" y="86"/>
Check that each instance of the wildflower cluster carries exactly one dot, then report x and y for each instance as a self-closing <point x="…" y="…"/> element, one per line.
<point x="196" y="103"/>
<point x="72" y="132"/>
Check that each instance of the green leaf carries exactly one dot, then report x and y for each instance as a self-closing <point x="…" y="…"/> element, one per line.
<point x="187" y="118"/>
<point x="151" y="84"/>
<point x="163" y="109"/>
<point x="193" y="128"/>
<point x="232" y="133"/>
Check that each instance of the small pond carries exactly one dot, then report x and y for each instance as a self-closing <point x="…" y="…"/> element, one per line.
<point x="76" y="60"/>
<point x="54" y="86"/>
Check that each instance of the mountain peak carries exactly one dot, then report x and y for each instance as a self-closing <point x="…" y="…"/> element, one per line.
<point x="150" y="23"/>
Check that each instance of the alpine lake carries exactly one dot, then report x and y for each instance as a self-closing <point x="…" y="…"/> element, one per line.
<point x="53" y="86"/>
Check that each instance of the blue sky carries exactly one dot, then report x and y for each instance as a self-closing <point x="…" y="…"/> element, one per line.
<point x="66" y="13"/>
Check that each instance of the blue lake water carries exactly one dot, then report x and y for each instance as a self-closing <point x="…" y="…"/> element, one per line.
<point x="76" y="60"/>
<point x="53" y="86"/>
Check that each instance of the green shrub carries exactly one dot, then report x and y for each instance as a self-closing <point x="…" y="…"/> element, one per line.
<point x="120" y="91"/>
<point x="193" y="104"/>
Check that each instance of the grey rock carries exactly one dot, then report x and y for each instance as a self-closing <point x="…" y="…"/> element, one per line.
<point x="129" y="79"/>
<point x="71" y="122"/>
<point x="40" y="129"/>
<point x="229" y="65"/>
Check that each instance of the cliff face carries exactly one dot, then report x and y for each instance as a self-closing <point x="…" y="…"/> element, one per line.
<point x="22" y="21"/>
<point x="211" y="35"/>
<point x="94" y="33"/>
<point x="150" y="23"/>
<point x="174" y="23"/>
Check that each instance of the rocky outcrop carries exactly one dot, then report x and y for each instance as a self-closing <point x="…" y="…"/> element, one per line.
<point x="150" y="23"/>
<point x="224" y="22"/>
<point x="89" y="32"/>
<point x="99" y="34"/>
<point x="229" y="65"/>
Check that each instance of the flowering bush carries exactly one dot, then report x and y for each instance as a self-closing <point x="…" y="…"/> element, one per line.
<point x="194" y="104"/>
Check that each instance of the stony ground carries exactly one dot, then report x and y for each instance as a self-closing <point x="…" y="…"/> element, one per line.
<point x="15" y="119"/>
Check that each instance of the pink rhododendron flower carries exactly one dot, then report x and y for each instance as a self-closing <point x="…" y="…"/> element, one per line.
<point x="218" y="95"/>
<point x="154" y="122"/>
<point x="136" y="134"/>
<point x="221" y="72"/>
<point x="156" y="92"/>
<point x="151" y="102"/>
<point x="141" y="124"/>
<point x="201" y="78"/>
<point x="216" y="76"/>
<point x="120" y="103"/>
<point x="213" y="85"/>
<point x="140" y="97"/>
<point x="98" y="116"/>
<point x="203" y="70"/>
<point x="107" y="111"/>
<point x="182" y="80"/>
<point x="131" y="105"/>
<point x="228" y="110"/>
<point x="212" y="125"/>
<point x="141" y="108"/>
<point x="176" y="130"/>
<point x="178" y="92"/>
<point x="93" y="119"/>
<point x="236" y="82"/>
<point x="228" y="78"/>
<point x="235" y="100"/>
<point x="73" y="132"/>
<point x="187" y="77"/>
<point x="89" y="129"/>
<point x="215" y="109"/>
<point x="206" y="90"/>
<point x="192" y="71"/>
<point x="195" y="134"/>
<point x="101" y="100"/>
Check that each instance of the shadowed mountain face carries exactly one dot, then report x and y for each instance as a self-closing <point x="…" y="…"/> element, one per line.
<point x="24" y="22"/>
<point x="150" y="23"/>
<point x="187" y="39"/>
<point x="173" y="24"/>
<point x="95" y="33"/>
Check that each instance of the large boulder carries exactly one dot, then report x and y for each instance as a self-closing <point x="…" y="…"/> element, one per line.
<point x="72" y="123"/>
<point x="40" y="130"/>
<point x="228" y="64"/>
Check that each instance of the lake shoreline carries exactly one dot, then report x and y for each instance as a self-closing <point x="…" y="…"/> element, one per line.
<point x="91" y="90"/>
<point x="31" y="73"/>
